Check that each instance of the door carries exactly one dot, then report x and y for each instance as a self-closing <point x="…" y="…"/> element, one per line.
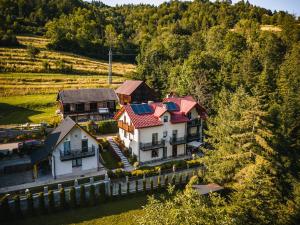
<point x="165" y="152"/>
<point x="174" y="150"/>
<point x="84" y="145"/>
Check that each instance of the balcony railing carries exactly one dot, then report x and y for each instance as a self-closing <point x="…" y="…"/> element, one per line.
<point x="193" y="137"/>
<point x="177" y="141"/>
<point x="194" y="123"/>
<point x="152" y="145"/>
<point x="125" y="126"/>
<point x="76" y="153"/>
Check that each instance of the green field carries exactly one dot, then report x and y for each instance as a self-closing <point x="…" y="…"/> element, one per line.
<point x="117" y="212"/>
<point x="28" y="108"/>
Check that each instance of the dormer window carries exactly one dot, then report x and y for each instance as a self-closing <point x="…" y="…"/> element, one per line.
<point x="166" y="118"/>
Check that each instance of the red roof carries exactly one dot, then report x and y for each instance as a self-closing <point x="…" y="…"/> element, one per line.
<point x="185" y="104"/>
<point x="128" y="87"/>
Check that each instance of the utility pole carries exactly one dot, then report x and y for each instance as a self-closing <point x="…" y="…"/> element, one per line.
<point x="110" y="66"/>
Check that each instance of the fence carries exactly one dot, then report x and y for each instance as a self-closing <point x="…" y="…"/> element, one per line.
<point x="89" y="194"/>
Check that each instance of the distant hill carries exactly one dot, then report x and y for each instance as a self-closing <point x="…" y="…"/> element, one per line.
<point x="18" y="60"/>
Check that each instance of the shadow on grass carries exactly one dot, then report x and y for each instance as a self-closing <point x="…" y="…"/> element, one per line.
<point x="11" y="114"/>
<point x="71" y="216"/>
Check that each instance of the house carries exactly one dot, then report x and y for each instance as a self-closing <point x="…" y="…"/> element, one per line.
<point x="135" y="91"/>
<point x="87" y="104"/>
<point x="69" y="150"/>
<point x="161" y="130"/>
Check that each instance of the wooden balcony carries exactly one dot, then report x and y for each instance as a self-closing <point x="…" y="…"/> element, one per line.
<point x="125" y="126"/>
<point x="76" y="153"/>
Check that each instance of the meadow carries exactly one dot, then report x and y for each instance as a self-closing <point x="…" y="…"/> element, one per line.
<point x="28" y="92"/>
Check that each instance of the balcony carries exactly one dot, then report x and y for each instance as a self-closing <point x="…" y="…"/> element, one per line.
<point x="177" y="141"/>
<point x="152" y="145"/>
<point x="76" y="153"/>
<point x="193" y="137"/>
<point x="194" y="123"/>
<point x="125" y="126"/>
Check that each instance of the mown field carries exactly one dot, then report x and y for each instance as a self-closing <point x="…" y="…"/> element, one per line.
<point x="30" y="95"/>
<point x="119" y="212"/>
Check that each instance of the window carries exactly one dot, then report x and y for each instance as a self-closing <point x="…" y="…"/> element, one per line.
<point x="189" y="115"/>
<point x="174" y="133"/>
<point x="80" y="107"/>
<point x="165" y="134"/>
<point x="76" y="162"/>
<point x="165" y="119"/>
<point x="67" y="147"/>
<point x="93" y="107"/>
<point x="155" y="138"/>
<point x="154" y="153"/>
<point x="67" y="107"/>
<point x="125" y="134"/>
<point x="84" y="145"/>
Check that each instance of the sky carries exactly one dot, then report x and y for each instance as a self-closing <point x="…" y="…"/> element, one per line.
<point x="292" y="6"/>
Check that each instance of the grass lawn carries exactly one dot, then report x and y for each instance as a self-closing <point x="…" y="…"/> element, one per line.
<point x="110" y="161"/>
<point x="28" y="108"/>
<point x="112" y="213"/>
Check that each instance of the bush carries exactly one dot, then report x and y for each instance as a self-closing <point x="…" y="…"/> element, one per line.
<point x="73" y="197"/>
<point x="92" y="127"/>
<point x="108" y="126"/>
<point x="102" y="194"/>
<point x="62" y="198"/>
<point x="180" y="179"/>
<point x="92" y="197"/>
<point x="82" y="196"/>
<point x="51" y="204"/>
<point x="120" y="164"/>
<point x="32" y="51"/>
<point x="5" y="210"/>
<point x="193" y="163"/>
<point x="166" y="181"/>
<point x="30" y="208"/>
<point x="173" y="180"/>
<point x="17" y="202"/>
<point x="41" y="199"/>
<point x="187" y="178"/>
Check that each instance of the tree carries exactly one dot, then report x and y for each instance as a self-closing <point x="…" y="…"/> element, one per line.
<point x="32" y="51"/>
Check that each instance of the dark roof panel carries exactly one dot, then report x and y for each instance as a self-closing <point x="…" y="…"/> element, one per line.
<point x="87" y="95"/>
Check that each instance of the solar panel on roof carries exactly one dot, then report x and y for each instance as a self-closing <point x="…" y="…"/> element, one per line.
<point x="171" y="106"/>
<point x="141" y="109"/>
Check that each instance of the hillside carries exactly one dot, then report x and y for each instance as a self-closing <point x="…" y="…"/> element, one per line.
<point x="18" y="60"/>
<point x="29" y="93"/>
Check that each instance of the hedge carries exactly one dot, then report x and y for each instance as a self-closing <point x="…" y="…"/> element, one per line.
<point x="107" y="126"/>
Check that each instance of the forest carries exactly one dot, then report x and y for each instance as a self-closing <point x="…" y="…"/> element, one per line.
<point x="248" y="79"/>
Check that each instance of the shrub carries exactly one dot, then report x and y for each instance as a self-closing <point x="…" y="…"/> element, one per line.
<point x="102" y="194"/>
<point x="17" y="204"/>
<point x="30" y="208"/>
<point x="187" y="178"/>
<point x="180" y="179"/>
<point x="92" y="197"/>
<point x="193" y="163"/>
<point x="92" y="127"/>
<point x="120" y="165"/>
<point x="136" y="186"/>
<point x="73" y="197"/>
<point x="173" y="180"/>
<point x="41" y="199"/>
<point x="62" y="198"/>
<point x="5" y="210"/>
<point x="137" y="173"/>
<point x="108" y="126"/>
<point x="166" y="181"/>
<point x="51" y="204"/>
<point x="159" y="183"/>
<point x="82" y="196"/>
<point x="32" y="51"/>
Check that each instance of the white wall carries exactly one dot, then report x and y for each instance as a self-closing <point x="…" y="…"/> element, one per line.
<point x="65" y="167"/>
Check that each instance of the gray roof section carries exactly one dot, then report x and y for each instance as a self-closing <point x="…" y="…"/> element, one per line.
<point x="53" y="139"/>
<point x="87" y="95"/>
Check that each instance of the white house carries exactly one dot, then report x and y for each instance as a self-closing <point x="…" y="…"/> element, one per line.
<point x="70" y="149"/>
<point x="161" y="130"/>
